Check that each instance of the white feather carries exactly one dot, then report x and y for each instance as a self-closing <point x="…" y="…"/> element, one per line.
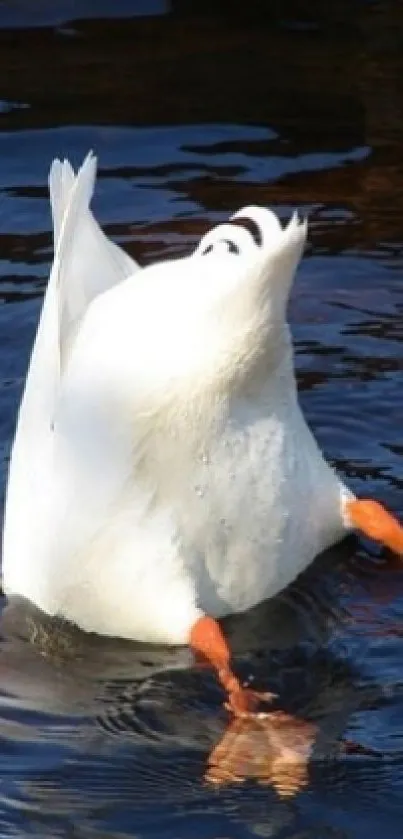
<point x="86" y="262"/>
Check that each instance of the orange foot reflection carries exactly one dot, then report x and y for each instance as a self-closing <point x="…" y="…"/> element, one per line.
<point x="273" y="749"/>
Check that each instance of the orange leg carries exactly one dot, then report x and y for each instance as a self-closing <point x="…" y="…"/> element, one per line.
<point x="207" y="640"/>
<point x="374" y="521"/>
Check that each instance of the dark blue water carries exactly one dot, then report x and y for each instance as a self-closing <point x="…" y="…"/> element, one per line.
<point x="194" y="110"/>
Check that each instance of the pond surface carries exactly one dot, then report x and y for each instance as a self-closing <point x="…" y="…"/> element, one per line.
<point x="195" y="109"/>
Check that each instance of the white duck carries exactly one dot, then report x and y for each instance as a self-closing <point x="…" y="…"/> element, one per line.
<point x="162" y="473"/>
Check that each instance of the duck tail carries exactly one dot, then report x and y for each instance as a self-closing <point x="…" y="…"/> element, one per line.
<point x="86" y="262"/>
<point x="61" y="182"/>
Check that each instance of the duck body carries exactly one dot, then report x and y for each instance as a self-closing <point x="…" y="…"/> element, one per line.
<point x="162" y="469"/>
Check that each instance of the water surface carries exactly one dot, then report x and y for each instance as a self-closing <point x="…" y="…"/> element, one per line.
<point x="195" y="109"/>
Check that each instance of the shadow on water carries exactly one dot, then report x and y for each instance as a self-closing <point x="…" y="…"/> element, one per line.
<point x="195" y="109"/>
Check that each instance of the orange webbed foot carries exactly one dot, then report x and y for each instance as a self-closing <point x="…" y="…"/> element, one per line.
<point x="271" y="747"/>
<point x="246" y="702"/>
<point x="208" y="641"/>
<point x="375" y="522"/>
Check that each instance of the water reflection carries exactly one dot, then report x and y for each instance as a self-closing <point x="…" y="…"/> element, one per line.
<point x="194" y="110"/>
